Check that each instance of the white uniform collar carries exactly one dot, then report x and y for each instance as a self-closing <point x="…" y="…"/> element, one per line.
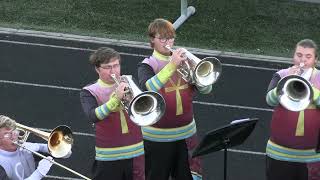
<point x="307" y="73"/>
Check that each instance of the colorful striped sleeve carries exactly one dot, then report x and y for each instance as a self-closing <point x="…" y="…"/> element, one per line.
<point x="272" y="97"/>
<point x="205" y="89"/>
<point x="316" y="97"/>
<point x="104" y="110"/>
<point x="159" y="80"/>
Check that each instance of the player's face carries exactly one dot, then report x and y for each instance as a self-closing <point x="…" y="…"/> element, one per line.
<point x="7" y="137"/>
<point x="305" y="55"/>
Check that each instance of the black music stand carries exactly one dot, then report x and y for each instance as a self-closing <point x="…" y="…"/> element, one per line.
<point x="225" y="137"/>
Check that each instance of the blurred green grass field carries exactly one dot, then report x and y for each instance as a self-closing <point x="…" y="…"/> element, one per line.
<point x="266" y="27"/>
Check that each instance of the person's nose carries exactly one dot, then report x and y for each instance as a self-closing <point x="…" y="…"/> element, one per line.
<point x="112" y="69"/>
<point x="303" y="59"/>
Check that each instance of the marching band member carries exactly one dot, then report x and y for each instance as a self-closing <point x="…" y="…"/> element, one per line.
<point x="119" y="144"/>
<point x="17" y="163"/>
<point x="294" y="136"/>
<point x="169" y="142"/>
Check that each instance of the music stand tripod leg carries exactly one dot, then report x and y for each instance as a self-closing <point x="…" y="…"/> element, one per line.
<point x="226" y="143"/>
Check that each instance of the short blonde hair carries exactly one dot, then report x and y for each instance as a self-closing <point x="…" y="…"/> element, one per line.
<point x="6" y="122"/>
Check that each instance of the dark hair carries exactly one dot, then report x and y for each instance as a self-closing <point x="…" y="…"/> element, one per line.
<point x="162" y="27"/>
<point x="308" y="43"/>
<point x="103" y="55"/>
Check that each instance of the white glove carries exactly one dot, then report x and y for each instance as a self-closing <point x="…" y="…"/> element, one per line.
<point x="44" y="166"/>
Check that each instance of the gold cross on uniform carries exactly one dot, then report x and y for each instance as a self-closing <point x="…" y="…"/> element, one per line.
<point x="177" y="88"/>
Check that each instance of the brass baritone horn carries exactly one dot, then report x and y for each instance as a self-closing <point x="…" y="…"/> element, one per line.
<point x="144" y="108"/>
<point x="202" y="72"/>
<point x="294" y="92"/>
<point x="60" y="139"/>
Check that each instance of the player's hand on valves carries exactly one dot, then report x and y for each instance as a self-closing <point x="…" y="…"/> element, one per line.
<point x="44" y="165"/>
<point x="178" y="56"/>
<point x="294" y="70"/>
<point x="121" y="90"/>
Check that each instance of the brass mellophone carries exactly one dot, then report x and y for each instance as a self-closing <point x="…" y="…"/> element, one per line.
<point x="294" y="92"/>
<point x="144" y="108"/>
<point x="201" y="72"/>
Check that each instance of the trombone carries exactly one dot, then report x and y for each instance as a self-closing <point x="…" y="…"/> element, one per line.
<point x="144" y="108"/>
<point x="60" y="142"/>
<point x="202" y="72"/>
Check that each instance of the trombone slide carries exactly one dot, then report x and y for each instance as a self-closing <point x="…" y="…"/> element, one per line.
<point x="52" y="161"/>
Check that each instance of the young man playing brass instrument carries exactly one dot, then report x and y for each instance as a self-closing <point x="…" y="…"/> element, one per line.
<point x="169" y="142"/>
<point x="119" y="145"/>
<point x="17" y="163"/>
<point x="294" y="135"/>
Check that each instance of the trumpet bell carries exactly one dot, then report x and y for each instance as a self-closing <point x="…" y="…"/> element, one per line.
<point x="60" y="141"/>
<point x="295" y="93"/>
<point x="146" y="108"/>
<point x="207" y="71"/>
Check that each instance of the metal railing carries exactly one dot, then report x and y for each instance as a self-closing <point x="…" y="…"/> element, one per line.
<point x="186" y="12"/>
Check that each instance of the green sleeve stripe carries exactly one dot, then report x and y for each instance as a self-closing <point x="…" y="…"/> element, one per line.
<point x="155" y="80"/>
<point x="205" y="90"/>
<point x="316" y="96"/>
<point x="272" y="98"/>
<point x="99" y="113"/>
<point x="274" y="93"/>
<point x="166" y="72"/>
<point x="317" y="102"/>
<point x="272" y="101"/>
<point x="150" y="86"/>
<point x="104" y="109"/>
<point x="113" y="103"/>
<point x="155" y="83"/>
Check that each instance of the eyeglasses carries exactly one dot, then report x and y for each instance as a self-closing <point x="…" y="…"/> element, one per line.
<point x="109" y="67"/>
<point x="10" y="134"/>
<point x="164" y="40"/>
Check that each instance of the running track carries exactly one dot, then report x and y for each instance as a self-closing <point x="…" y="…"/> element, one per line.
<point x="41" y="75"/>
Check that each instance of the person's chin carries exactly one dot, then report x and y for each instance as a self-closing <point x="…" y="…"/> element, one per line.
<point x="12" y="148"/>
<point x="166" y="53"/>
<point x="109" y="81"/>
